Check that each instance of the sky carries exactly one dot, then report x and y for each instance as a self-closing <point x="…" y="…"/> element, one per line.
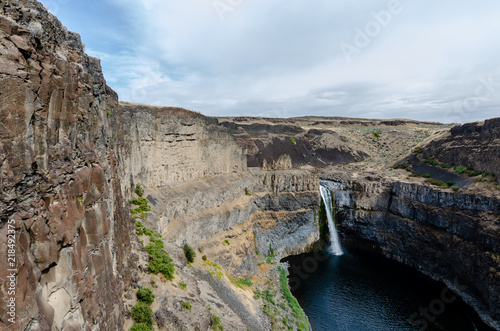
<point x="423" y="60"/>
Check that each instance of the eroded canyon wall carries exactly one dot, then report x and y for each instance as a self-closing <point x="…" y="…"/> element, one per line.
<point x="474" y="145"/>
<point x="58" y="181"/>
<point x="452" y="237"/>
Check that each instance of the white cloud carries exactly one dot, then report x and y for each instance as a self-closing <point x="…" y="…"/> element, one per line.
<point x="282" y="57"/>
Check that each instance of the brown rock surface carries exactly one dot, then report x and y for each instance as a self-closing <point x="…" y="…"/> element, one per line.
<point x="57" y="180"/>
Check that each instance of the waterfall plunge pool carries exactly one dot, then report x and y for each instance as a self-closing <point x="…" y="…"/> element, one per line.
<point x="359" y="291"/>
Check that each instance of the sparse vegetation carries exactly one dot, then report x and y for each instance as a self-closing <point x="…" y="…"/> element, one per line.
<point x="108" y="111"/>
<point x="159" y="260"/>
<point x="139" y="190"/>
<point x="186" y="305"/>
<point x="201" y="249"/>
<point x="247" y="192"/>
<point x="216" y="323"/>
<point x="460" y="169"/>
<point x="418" y="150"/>
<point x="142" y="313"/>
<point x="142" y="204"/>
<point x="292" y="139"/>
<point x="298" y="316"/>
<point x="226" y="242"/>
<point x="241" y="283"/>
<point x="426" y="176"/>
<point x="189" y="253"/>
<point x="141" y="327"/>
<point x="376" y="134"/>
<point x="36" y="29"/>
<point x="145" y="295"/>
<point x="153" y="283"/>
<point x="473" y="173"/>
<point x="437" y="182"/>
<point x="183" y="285"/>
<point x="431" y="161"/>
<point x="454" y="188"/>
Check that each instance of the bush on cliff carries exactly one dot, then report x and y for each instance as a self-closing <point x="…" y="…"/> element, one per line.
<point x="141" y="327"/>
<point x="189" y="252"/>
<point x="142" y="313"/>
<point x="139" y="190"/>
<point x="145" y="295"/>
<point x="160" y="261"/>
<point x="460" y="169"/>
<point x="142" y="204"/>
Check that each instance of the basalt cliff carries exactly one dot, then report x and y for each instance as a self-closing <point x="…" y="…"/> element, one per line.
<point x="89" y="183"/>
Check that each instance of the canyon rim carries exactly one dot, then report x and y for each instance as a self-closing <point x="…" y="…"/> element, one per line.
<point x="94" y="190"/>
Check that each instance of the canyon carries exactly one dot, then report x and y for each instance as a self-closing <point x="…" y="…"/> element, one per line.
<point x="243" y="192"/>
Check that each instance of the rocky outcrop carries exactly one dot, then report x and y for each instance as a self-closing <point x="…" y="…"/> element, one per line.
<point x="446" y="235"/>
<point x="163" y="145"/>
<point x="475" y="145"/>
<point x="266" y="144"/>
<point x="278" y="205"/>
<point x="58" y="181"/>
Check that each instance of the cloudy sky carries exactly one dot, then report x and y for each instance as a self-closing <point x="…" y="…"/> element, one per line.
<point x="425" y="60"/>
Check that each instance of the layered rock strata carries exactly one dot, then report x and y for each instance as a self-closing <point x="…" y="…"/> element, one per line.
<point x="449" y="236"/>
<point x="58" y="181"/>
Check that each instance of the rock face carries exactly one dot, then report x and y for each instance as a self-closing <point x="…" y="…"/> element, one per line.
<point x="57" y="178"/>
<point x="451" y="237"/>
<point x="70" y="156"/>
<point x="266" y="143"/>
<point x="164" y="145"/>
<point x="475" y="145"/>
<point x="279" y="207"/>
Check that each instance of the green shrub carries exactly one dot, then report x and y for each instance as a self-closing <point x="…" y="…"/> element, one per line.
<point x="186" y="305"/>
<point x="472" y="173"/>
<point x="247" y="192"/>
<point x="431" y="161"/>
<point x="108" y="111"/>
<point x="142" y="203"/>
<point x="257" y="294"/>
<point x="418" y="150"/>
<point x="297" y="313"/>
<point x="450" y="183"/>
<point x="183" y="285"/>
<point x="201" y="249"/>
<point x="139" y="190"/>
<point x="189" y="252"/>
<point x="204" y="257"/>
<point x="242" y="283"/>
<point x="426" y="176"/>
<point x="454" y="188"/>
<point x="216" y="323"/>
<point x="445" y="166"/>
<point x="160" y="261"/>
<point x="139" y="228"/>
<point x="437" y="182"/>
<point x="142" y="313"/>
<point x="145" y="295"/>
<point x="227" y="242"/>
<point x="292" y="139"/>
<point x="269" y="296"/>
<point x="376" y="134"/>
<point x="460" y="169"/>
<point x="141" y="327"/>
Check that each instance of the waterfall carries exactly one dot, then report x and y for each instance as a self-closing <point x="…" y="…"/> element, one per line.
<point x="334" y="237"/>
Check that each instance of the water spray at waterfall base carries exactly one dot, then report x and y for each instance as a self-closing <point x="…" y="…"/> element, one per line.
<point x="335" y="247"/>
